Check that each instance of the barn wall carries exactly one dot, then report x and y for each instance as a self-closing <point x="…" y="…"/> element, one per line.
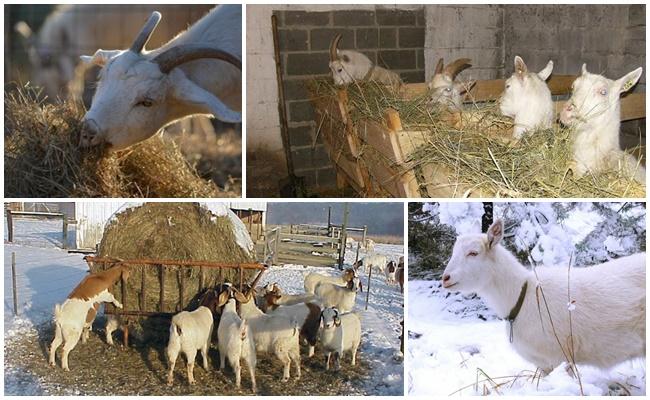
<point x="472" y="31"/>
<point x="91" y="218"/>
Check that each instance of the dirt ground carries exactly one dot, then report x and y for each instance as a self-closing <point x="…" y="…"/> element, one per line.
<point x="99" y="369"/>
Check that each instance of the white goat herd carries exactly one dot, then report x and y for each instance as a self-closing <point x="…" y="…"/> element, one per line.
<point x="243" y="329"/>
<point x="593" y="111"/>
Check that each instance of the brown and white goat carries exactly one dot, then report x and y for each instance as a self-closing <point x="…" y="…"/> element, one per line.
<point x="399" y="274"/>
<point x="70" y="318"/>
<point x="444" y="90"/>
<point x="349" y="66"/>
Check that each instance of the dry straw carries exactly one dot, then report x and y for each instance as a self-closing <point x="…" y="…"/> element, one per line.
<point x="171" y="231"/>
<point x="481" y="156"/>
<point x="43" y="159"/>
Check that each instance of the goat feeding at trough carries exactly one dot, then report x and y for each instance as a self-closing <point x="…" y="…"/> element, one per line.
<point x="139" y="92"/>
<point x="445" y="91"/>
<point x="349" y="66"/>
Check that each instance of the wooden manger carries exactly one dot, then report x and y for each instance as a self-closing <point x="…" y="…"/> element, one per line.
<point x="160" y="309"/>
<point x="387" y="173"/>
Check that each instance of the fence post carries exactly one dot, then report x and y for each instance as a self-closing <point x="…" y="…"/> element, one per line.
<point x="357" y="257"/>
<point x="13" y="281"/>
<point x="368" y="288"/>
<point x="365" y="231"/>
<point x="276" y="245"/>
<point x="10" y="227"/>
<point x="344" y="235"/>
<point x="65" y="232"/>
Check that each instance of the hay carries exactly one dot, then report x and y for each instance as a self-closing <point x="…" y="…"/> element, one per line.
<point x="478" y="155"/>
<point x="171" y="231"/>
<point x="43" y="159"/>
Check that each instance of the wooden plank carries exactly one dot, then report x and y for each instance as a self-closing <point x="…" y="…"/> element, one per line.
<point x="491" y="89"/>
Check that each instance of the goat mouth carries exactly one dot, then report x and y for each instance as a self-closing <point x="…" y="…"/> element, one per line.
<point x="447" y="286"/>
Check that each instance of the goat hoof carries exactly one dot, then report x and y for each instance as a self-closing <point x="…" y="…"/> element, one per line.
<point x="66" y="369"/>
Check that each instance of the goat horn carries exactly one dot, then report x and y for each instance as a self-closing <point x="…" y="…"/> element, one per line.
<point x="334" y="46"/>
<point x="178" y="55"/>
<point x="456" y="67"/>
<point x="257" y="279"/>
<point x="439" y="67"/>
<point x="146" y="32"/>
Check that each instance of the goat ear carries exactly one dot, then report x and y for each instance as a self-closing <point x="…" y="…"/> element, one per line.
<point x="628" y="81"/>
<point x="199" y="100"/>
<point x="23" y="30"/>
<point x="495" y="233"/>
<point x="546" y="72"/>
<point x="520" y="66"/>
<point x="584" y="69"/>
<point x="223" y="298"/>
<point x="345" y="58"/>
<point x="100" y="57"/>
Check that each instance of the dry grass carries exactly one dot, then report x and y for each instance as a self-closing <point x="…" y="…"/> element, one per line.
<point x="479" y="155"/>
<point x="171" y="231"/>
<point x="102" y="370"/>
<point x="43" y="159"/>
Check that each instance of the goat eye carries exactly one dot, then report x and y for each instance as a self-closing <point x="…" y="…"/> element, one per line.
<point x="603" y="92"/>
<point x="447" y="90"/>
<point x="340" y="70"/>
<point x="145" y="103"/>
<point x="472" y="254"/>
<point x="508" y="86"/>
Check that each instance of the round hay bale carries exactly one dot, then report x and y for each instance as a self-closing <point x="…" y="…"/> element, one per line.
<point x="172" y="231"/>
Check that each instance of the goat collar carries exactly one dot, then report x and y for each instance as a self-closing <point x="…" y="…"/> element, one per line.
<point x="515" y="310"/>
<point x="369" y="73"/>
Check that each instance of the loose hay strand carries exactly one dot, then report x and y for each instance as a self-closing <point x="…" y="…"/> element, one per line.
<point x="43" y="159"/>
<point x="480" y="156"/>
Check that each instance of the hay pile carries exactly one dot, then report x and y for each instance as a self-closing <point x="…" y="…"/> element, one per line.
<point x="171" y="231"/>
<point x="43" y="159"/>
<point x="481" y="157"/>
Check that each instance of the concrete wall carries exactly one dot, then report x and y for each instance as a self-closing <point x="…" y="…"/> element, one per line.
<point x="472" y="31"/>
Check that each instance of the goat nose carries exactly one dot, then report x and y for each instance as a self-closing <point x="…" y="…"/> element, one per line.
<point x="446" y="277"/>
<point x="89" y="131"/>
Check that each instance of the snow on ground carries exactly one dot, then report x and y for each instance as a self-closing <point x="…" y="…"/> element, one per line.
<point x="380" y="324"/>
<point x="455" y="341"/>
<point x="44" y="277"/>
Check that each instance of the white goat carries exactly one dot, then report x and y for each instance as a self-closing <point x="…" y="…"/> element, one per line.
<point x="391" y="270"/>
<point x="594" y="111"/>
<point x="350" y="66"/>
<point x="341" y="297"/>
<point x="369" y="245"/>
<point x="139" y="92"/>
<point x="70" y="318"/>
<point x="235" y="341"/>
<point x="444" y="90"/>
<point x="376" y="261"/>
<point x="607" y="326"/>
<point x="190" y="331"/>
<point x="339" y="333"/>
<point x="527" y="98"/>
<point x="75" y="29"/>
<point x="274" y="334"/>
<point x="313" y="279"/>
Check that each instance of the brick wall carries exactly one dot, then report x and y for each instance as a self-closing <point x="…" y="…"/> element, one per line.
<point x="392" y="38"/>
